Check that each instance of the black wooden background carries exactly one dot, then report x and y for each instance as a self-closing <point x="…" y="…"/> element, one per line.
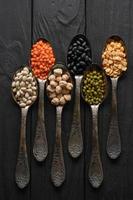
<point x="21" y="23"/>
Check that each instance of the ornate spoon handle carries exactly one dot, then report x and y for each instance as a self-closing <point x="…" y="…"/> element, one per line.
<point x="22" y="174"/>
<point x="75" y="144"/>
<point x="95" y="168"/>
<point x="114" y="141"/>
<point x="40" y="148"/>
<point x="58" y="166"/>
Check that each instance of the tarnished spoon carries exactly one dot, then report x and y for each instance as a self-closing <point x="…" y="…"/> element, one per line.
<point x="95" y="168"/>
<point x="40" y="148"/>
<point x="22" y="174"/>
<point x="78" y="59"/>
<point x="114" y="140"/>
<point x="58" y="166"/>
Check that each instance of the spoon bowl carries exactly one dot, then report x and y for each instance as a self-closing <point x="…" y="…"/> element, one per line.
<point x="13" y="96"/>
<point x="115" y="38"/>
<point x="98" y="69"/>
<point x="82" y="51"/>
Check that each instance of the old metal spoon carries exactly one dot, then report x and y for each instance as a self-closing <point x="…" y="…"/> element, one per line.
<point x="40" y="148"/>
<point x="75" y="143"/>
<point x="114" y="140"/>
<point x="58" y="166"/>
<point x="95" y="167"/>
<point x="22" y="174"/>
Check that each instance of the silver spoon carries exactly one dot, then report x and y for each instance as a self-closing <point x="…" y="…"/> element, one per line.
<point x="75" y="143"/>
<point x="40" y="148"/>
<point x="22" y="174"/>
<point x="95" y="167"/>
<point x="114" y="140"/>
<point x="58" y="166"/>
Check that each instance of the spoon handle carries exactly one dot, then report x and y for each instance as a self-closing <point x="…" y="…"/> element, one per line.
<point x="22" y="174"/>
<point x="58" y="166"/>
<point x="75" y="144"/>
<point x="114" y="141"/>
<point x="40" y="148"/>
<point x="95" y="168"/>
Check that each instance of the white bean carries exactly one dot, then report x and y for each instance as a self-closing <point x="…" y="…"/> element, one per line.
<point x="29" y="102"/>
<point x="22" y="84"/>
<point x="33" y="98"/>
<point x="26" y="95"/>
<point x="13" y="84"/>
<point x="22" y="105"/>
<point x="17" y="84"/>
<point x="58" y="71"/>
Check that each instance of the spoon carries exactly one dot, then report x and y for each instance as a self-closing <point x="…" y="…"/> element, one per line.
<point x="79" y="46"/>
<point x="114" y="140"/>
<point x="95" y="167"/>
<point x="22" y="174"/>
<point x="58" y="166"/>
<point x="40" y="148"/>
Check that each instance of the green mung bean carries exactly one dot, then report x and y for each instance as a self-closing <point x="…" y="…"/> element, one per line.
<point x="93" y="87"/>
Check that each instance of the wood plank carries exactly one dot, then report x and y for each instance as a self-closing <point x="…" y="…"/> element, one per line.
<point x="15" y="40"/>
<point x="58" y="22"/>
<point x="105" y="18"/>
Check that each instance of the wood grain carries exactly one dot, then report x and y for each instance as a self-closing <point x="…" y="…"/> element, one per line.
<point x="14" y="47"/>
<point x="58" y="22"/>
<point x="106" y="18"/>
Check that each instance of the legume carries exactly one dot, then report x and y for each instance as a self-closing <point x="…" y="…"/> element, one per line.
<point x="59" y="87"/>
<point x="42" y="59"/>
<point x="24" y="87"/>
<point x="93" y="87"/>
<point x="79" y="55"/>
<point x="114" y="58"/>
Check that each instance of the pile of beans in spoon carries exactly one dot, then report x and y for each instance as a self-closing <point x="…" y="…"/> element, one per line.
<point x="79" y="55"/>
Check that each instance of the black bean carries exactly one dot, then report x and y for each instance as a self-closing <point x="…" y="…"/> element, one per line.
<point x="74" y="48"/>
<point x="79" y="58"/>
<point x="81" y="39"/>
<point x="69" y="52"/>
<point x="90" y="60"/>
<point x="87" y="49"/>
<point x="72" y="55"/>
<point x="78" y="52"/>
<point x="82" y="63"/>
<point x="77" y="65"/>
<point x="75" y="68"/>
<point x="78" y="42"/>
<point x="69" y="65"/>
<point x="74" y="44"/>
<point x="84" y="44"/>
<point x="69" y="57"/>
<point x="86" y="58"/>
<point x="83" y="55"/>
<point x="72" y="64"/>
<point x="80" y="48"/>
<point x="70" y="47"/>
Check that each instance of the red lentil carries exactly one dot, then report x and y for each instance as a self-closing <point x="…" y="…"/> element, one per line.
<point x="42" y="59"/>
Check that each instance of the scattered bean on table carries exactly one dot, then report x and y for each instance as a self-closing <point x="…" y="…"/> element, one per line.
<point x="79" y="55"/>
<point x="42" y="59"/>
<point x="93" y="87"/>
<point x="24" y="87"/>
<point x="59" y="87"/>
<point x="114" y="58"/>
